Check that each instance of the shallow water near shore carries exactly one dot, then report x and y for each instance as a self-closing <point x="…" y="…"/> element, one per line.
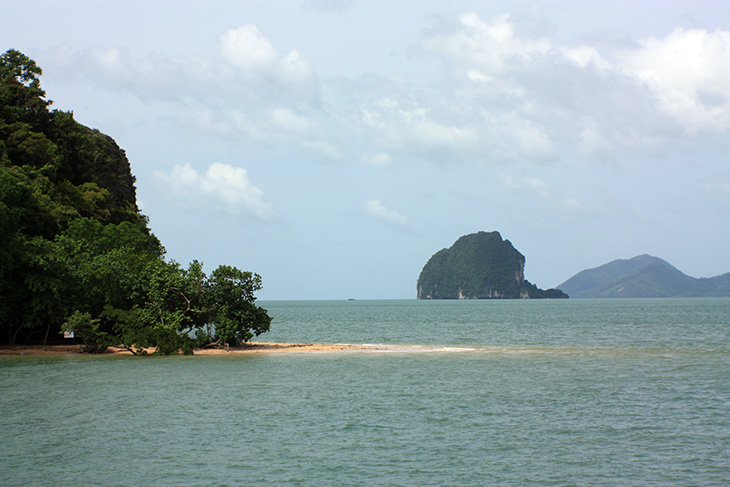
<point x="576" y="392"/>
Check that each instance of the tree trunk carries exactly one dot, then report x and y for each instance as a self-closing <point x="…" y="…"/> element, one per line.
<point x="45" y="338"/>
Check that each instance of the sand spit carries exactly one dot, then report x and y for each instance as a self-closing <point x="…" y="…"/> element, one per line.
<point x="269" y="347"/>
<point x="249" y="349"/>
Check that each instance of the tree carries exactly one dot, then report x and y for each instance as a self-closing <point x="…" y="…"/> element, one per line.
<point x="77" y="255"/>
<point x="108" y="269"/>
<point x="171" y="308"/>
<point x="16" y="65"/>
<point x="21" y="97"/>
<point x="235" y="316"/>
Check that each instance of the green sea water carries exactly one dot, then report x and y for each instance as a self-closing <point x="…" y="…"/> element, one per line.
<point x="465" y="393"/>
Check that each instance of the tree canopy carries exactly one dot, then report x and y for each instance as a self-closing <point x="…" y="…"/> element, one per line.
<point x="76" y="254"/>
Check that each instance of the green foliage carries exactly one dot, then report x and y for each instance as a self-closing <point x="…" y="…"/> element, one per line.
<point x="19" y="67"/>
<point x="77" y="255"/>
<point x="87" y="328"/>
<point x="21" y="97"/>
<point x="231" y="300"/>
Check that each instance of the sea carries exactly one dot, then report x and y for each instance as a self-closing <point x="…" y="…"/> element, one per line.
<point x="612" y="392"/>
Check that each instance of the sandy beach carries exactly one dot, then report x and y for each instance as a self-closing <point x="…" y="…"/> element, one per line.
<point x="251" y="348"/>
<point x="269" y="347"/>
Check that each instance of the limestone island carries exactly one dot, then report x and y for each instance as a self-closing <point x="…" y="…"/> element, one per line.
<point x="479" y="266"/>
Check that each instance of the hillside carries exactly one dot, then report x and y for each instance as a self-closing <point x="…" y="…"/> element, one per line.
<point x="76" y="254"/>
<point x="478" y="266"/>
<point x="643" y="276"/>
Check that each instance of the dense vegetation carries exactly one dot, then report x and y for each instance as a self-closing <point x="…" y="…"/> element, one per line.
<point x="76" y="254"/>
<point x="643" y="276"/>
<point x="479" y="266"/>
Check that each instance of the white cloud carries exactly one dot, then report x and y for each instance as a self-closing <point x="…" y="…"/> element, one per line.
<point x="249" y="77"/>
<point x="461" y="130"/>
<point x="296" y="68"/>
<point x="154" y="78"/>
<point x="112" y="59"/>
<point x="586" y="57"/>
<point x="247" y="48"/>
<point x="601" y="103"/>
<point x="488" y="48"/>
<point x="288" y="120"/>
<point x="222" y="187"/>
<point x="505" y="95"/>
<point x="376" y="209"/>
<point x="689" y="73"/>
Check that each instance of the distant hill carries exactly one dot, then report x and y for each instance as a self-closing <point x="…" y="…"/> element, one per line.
<point x="643" y="276"/>
<point x="479" y="266"/>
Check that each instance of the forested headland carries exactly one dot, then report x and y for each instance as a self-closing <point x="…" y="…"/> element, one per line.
<point x="76" y="254"/>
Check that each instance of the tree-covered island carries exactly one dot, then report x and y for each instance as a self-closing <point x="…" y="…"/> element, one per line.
<point x="479" y="266"/>
<point x="77" y="255"/>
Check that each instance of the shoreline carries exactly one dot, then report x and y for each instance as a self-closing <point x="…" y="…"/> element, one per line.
<point x="254" y="348"/>
<point x="251" y="348"/>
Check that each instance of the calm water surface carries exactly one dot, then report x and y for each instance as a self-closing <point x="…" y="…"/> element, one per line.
<point x="577" y="392"/>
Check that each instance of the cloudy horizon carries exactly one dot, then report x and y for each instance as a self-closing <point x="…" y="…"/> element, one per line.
<point x="334" y="146"/>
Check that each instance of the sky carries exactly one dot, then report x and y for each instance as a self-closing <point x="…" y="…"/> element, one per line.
<point x="333" y="146"/>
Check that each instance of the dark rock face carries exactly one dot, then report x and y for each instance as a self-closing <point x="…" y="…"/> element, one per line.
<point x="479" y="266"/>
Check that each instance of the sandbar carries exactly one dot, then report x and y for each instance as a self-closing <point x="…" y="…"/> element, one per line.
<point x="250" y="348"/>
<point x="255" y="348"/>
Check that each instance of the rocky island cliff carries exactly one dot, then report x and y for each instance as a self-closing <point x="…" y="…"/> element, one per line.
<point x="479" y="266"/>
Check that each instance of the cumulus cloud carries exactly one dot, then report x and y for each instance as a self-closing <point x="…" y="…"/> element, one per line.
<point x="405" y="126"/>
<point x="376" y="209"/>
<point x="689" y="75"/>
<point x="222" y="187"/>
<point x="505" y="94"/>
<point x="232" y="94"/>
<point x="247" y="48"/>
<point x="460" y="131"/>
<point x="640" y="98"/>
<point x="483" y="48"/>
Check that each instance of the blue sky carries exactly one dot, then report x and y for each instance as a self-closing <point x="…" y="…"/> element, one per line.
<point x="334" y="146"/>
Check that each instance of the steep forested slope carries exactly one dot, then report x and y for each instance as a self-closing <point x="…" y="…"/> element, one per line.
<point x="76" y="253"/>
<point x="478" y="266"/>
